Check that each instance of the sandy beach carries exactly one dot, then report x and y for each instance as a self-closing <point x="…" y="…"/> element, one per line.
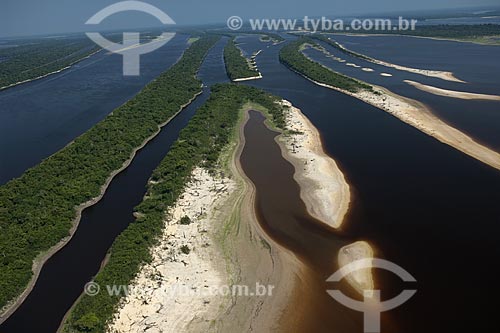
<point x="174" y="291"/>
<point x="361" y="279"/>
<point x="323" y="187"/>
<point x="421" y="117"/>
<point x="227" y="249"/>
<point x="452" y="93"/>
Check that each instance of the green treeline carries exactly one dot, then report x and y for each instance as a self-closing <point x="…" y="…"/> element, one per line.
<point x="237" y="66"/>
<point x="199" y="144"/>
<point x="265" y="36"/>
<point x="338" y="47"/>
<point x="39" y="57"/>
<point x="37" y="209"/>
<point x="292" y="56"/>
<point x="463" y="31"/>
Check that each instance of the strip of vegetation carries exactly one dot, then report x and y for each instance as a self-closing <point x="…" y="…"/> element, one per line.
<point x="34" y="58"/>
<point x="336" y="45"/>
<point x="237" y="66"/>
<point x="291" y="56"/>
<point x="27" y="59"/>
<point x="460" y="32"/>
<point x="37" y="210"/>
<point x="199" y="144"/>
<point x="265" y="36"/>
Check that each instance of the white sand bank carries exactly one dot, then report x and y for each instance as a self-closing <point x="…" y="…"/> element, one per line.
<point x="449" y="76"/>
<point x="452" y="93"/>
<point x="419" y="116"/>
<point x="323" y="186"/>
<point x="163" y="302"/>
<point x="361" y="279"/>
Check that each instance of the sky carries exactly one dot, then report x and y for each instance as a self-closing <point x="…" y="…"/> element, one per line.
<point x="31" y="17"/>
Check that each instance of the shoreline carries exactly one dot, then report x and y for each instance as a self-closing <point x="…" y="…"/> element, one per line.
<point x="51" y="73"/>
<point x="43" y="257"/>
<point x="239" y="254"/>
<point x="361" y="279"/>
<point x="452" y="93"/>
<point x="448" y="76"/>
<point x="472" y="41"/>
<point x="275" y="264"/>
<point x="252" y="67"/>
<point x="421" y="117"/>
<point x="323" y="186"/>
<point x="165" y="285"/>
<point x="323" y="189"/>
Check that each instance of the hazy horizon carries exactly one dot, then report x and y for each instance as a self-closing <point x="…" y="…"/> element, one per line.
<point x="30" y="17"/>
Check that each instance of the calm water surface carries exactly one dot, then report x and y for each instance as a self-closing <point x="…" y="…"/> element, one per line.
<point x="64" y="275"/>
<point x="422" y="204"/>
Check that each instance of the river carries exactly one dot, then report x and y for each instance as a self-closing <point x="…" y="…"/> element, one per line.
<point x="422" y="204"/>
<point x="40" y="117"/>
<point x="64" y="275"/>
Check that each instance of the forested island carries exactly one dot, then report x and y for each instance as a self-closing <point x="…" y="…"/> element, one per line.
<point x="480" y="33"/>
<point x="199" y="144"/>
<point x="40" y="208"/>
<point x="29" y="59"/>
<point x="291" y="55"/>
<point x="238" y="67"/>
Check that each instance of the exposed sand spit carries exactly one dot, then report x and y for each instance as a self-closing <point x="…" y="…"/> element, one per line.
<point x="452" y="93"/>
<point x="323" y="187"/>
<point x="361" y="279"/>
<point x="449" y="76"/>
<point x="419" y="116"/>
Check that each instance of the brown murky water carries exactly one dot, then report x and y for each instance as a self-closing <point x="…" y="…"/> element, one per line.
<point x="284" y="217"/>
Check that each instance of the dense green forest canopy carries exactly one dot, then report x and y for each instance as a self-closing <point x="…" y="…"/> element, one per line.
<point x="462" y="31"/>
<point x="26" y="60"/>
<point x="37" y="209"/>
<point x="199" y="144"/>
<point x="237" y="66"/>
<point x="291" y="55"/>
<point x="265" y="35"/>
<point x="336" y="45"/>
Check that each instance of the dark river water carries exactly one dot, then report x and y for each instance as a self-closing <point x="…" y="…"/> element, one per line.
<point x="64" y="275"/>
<point x="480" y="119"/>
<point x="421" y="204"/>
<point x="41" y="117"/>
